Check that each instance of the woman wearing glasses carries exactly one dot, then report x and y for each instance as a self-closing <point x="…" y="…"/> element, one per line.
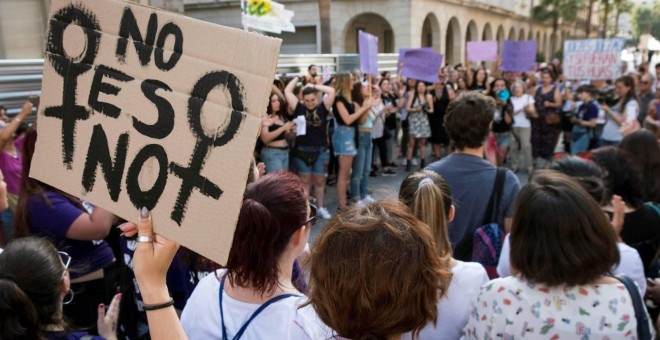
<point x="272" y="231"/>
<point x="34" y="283"/>
<point x="73" y="226"/>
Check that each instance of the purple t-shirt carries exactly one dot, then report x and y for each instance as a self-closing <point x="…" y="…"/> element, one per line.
<point x="12" y="166"/>
<point x="53" y="221"/>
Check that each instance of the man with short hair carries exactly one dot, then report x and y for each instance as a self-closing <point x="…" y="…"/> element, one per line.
<point x="312" y="73"/>
<point x="311" y="153"/>
<point x="645" y="96"/>
<point x="470" y="177"/>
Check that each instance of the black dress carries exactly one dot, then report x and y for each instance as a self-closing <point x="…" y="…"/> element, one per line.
<point x="436" y="120"/>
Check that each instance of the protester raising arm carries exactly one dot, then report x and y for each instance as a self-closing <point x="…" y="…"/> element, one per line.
<point x="7" y="134"/>
<point x="291" y="98"/>
<point x="151" y="261"/>
<point x="350" y="118"/>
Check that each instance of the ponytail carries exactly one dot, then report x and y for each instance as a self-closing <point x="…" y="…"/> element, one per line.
<point x="18" y="315"/>
<point x="429" y="207"/>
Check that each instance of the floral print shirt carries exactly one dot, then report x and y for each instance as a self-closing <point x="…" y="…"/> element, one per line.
<point x="512" y="308"/>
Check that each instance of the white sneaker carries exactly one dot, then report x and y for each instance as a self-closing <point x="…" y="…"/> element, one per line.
<point x="368" y="200"/>
<point x="414" y="161"/>
<point x="323" y="213"/>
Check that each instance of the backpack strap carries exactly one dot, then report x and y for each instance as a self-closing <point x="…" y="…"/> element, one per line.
<point x="495" y="197"/>
<point x="261" y="308"/>
<point x="643" y="327"/>
<point x="654" y="206"/>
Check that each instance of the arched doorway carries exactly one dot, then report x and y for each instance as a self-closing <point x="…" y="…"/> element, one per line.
<point x="530" y="35"/>
<point x="521" y="35"/>
<point x="545" y="46"/>
<point x="512" y="34"/>
<point x="538" y="42"/>
<point x="500" y="36"/>
<point x="431" y="32"/>
<point x="454" y="43"/>
<point x="373" y="24"/>
<point x="488" y="33"/>
<point x="472" y="32"/>
<point x="554" y="46"/>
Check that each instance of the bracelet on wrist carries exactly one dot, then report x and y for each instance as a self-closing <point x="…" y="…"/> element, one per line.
<point x="158" y="306"/>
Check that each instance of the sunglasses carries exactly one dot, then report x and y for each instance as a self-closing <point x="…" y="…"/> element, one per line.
<point x="66" y="260"/>
<point x="312" y="216"/>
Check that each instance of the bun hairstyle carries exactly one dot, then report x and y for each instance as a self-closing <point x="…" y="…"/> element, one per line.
<point x="274" y="207"/>
<point x="31" y="274"/>
<point x="589" y="175"/>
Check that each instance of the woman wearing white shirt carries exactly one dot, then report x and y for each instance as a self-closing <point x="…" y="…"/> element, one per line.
<point x="254" y="297"/>
<point x="428" y="196"/>
<point x="523" y="105"/>
<point x="624" y="112"/>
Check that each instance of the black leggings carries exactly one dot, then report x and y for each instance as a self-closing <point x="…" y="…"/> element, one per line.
<point x="381" y="144"/>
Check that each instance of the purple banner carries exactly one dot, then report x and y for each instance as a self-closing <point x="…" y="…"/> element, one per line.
<point x="421" y="64"/>
<point x="402" y="52"/>
<point x="518" y="56"/>
<point x="482" y="50"/>
<point x="368" y="45"/>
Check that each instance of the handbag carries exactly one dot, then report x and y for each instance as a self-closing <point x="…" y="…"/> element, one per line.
<point x="309" y="157"/>
<point x="552" y="118"/>
<point x="488" y="238"/>
<point x="643" y="326"/>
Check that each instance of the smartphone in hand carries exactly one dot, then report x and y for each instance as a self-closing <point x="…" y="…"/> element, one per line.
<point x="34" y="100"/>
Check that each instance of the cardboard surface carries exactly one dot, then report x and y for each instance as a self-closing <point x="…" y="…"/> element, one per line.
<point x="421" y="64"/>
<point x="368" y="45"/>
<point x="592" y="59"/>
<point x="518" y="56"/>
<point x="142" y="107"/>
<point x="482" y="50"/>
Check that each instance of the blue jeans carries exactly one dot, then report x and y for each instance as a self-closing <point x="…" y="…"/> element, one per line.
<point x="581" y="138"/>
<point x="361" y="166"/>
<point x="275" y="159"/>
<point x="318" y="167"/>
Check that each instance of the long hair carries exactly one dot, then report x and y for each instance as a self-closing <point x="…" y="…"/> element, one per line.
<point x="428" y="196"/>
<point x="282" y="112"/>
<point x="31" y="187"/>
<point x="643" y="149"/>
<point x="31" y="274"/>
<point x="274" y="207"/>
<point x="343" y="86"/>
<point x="356" y="93"/>
<point x="629" y="82"/>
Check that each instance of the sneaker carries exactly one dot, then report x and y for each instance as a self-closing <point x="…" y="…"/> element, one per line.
<point x="414" y="161"/>
<point x="368" y="199"/>
<point x="373" y="173"/>
<point x="392" y="165"/>
<point x="389" y="172"/>
<point x="323" y="213"/>
<point x="409" y="166"/>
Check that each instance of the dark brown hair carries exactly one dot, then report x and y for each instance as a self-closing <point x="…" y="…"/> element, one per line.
<point x="31" y="273"/>
<point x="468" y="119"/>
<point x="274" y="207"/>
<point x="559" y="233"/>
<point x="428" y="196"/>
<point x="30" y="187"/>
<point x="376" y="272"/>
<point x="644" y="151"/>
<point x="621" y="176"/>
<point x="282" y="113"/>
<point x="628" y="82"/>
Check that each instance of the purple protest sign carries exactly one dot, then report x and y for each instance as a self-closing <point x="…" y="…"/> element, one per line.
<point x="368" y="45"/>
<point x="482" y="50"/>
<point x="518" y="56"/>
<point x="421" y="64"/>
<point x="402" y="52"/>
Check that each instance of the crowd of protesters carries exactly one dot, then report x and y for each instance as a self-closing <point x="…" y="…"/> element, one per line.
<point x="464" y="251"/>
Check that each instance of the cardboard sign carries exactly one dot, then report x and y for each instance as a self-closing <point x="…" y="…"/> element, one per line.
<point x="368" y="45"/>
<point x="518" y="56"/>
<point x="592" y="58"/>
<point x="482" y="50"/>
<point x="145" y="108"/>
<point x="421" y="64"/>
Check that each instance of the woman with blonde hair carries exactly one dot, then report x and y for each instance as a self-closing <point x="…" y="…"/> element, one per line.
<point x="428" y="196"/>
<point x="346" y="114"/>
<point x="376" y="273"/>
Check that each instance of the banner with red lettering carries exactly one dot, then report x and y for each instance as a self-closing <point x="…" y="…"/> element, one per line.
<point x="593" y="58"/>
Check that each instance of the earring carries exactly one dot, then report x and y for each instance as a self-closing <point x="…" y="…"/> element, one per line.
<point x="66" y="302"/>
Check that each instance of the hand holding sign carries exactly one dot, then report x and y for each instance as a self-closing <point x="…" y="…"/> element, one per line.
<point x="149" y="115"/>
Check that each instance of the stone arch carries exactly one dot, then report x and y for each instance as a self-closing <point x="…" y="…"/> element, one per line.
<point x="488" y="33"/>
<point x="512" y="34"/>
<point x="538" y="41"/>
<point x="431" y="32"/>
<point x="521" y="34"/>
<point x="530" y="35"/>
<point x="500" y="36"/>
<point x="454" y="43"/>
<point x="373" y="24"/>
<point x="472" y="33"/>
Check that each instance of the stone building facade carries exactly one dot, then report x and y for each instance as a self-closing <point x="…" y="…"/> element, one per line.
<point x="444" y="25"/>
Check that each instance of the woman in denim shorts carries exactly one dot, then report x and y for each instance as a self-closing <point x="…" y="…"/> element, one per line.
<point x="274" y="131"/>
<point x="346" y="114"/>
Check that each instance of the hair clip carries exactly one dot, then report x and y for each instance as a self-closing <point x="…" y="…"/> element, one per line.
<point x="424" y="182"/>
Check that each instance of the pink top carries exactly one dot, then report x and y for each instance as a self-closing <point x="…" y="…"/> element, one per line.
<point x="12" y="166"/>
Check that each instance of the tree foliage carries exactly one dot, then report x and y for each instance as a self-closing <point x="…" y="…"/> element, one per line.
<point x="645" y="17"/>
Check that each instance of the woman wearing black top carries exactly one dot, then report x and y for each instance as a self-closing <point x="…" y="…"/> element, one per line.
<point x="275" y="128"/>
<point x="503" y="119"/>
